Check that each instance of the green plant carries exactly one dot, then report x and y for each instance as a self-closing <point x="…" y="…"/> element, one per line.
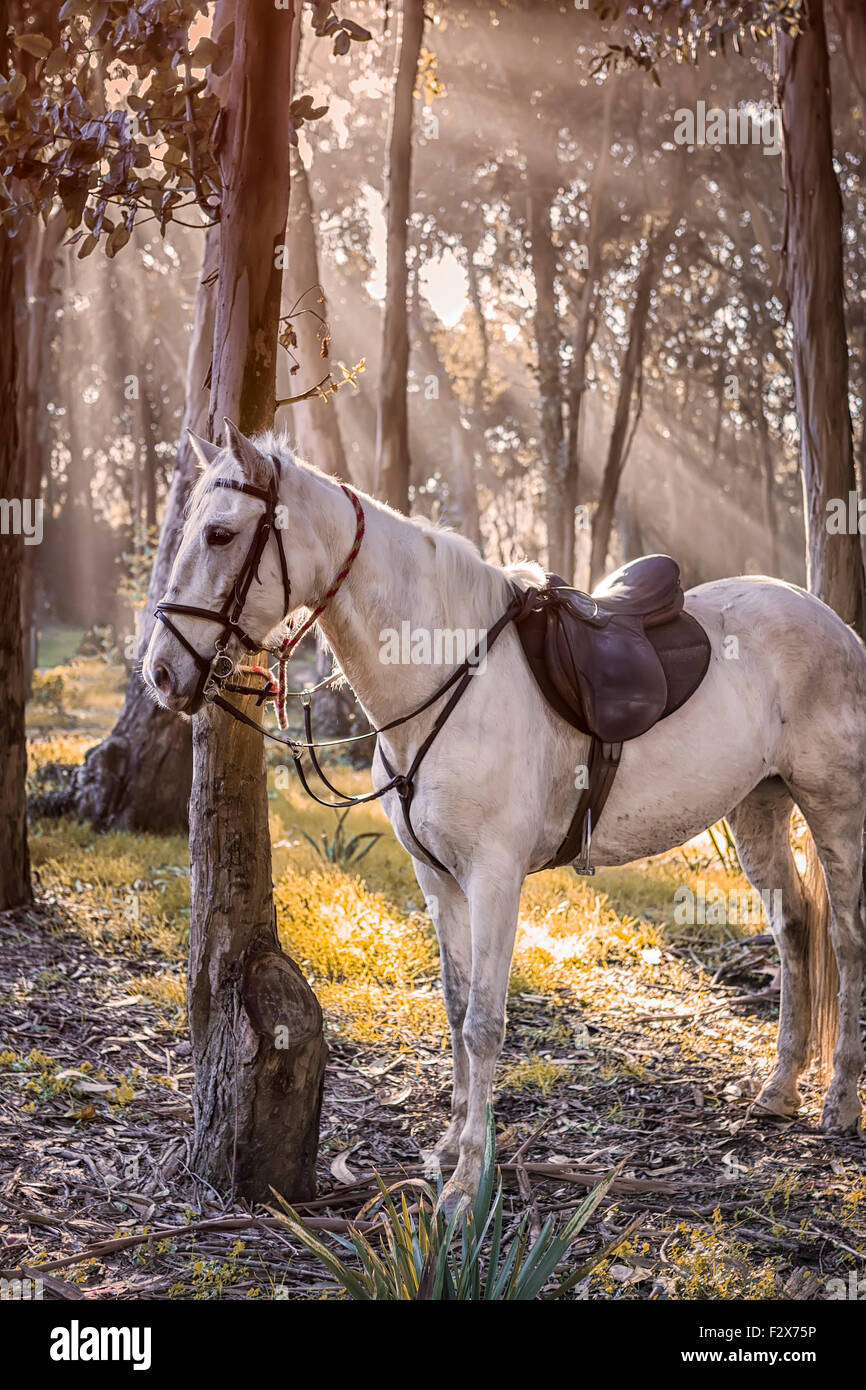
<point x="421" y="1256"/>
<point x="340" y="849"/>
<point x="50" y="690"/>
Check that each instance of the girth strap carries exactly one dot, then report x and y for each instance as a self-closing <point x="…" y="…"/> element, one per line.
<point x="600" y="773"/>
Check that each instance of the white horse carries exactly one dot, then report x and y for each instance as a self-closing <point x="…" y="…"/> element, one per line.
<point x="779" y="721"/>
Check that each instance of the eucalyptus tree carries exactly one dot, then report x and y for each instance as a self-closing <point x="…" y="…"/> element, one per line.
<point x="392" y="421"/>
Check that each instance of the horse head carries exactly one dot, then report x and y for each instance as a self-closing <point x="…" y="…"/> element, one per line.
<point x="231" y="585"/>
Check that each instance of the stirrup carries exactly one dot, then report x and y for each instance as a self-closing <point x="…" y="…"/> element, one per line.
<point x="581" y="864"/>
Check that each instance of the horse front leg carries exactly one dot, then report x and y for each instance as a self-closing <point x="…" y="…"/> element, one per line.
<point x="494" y="898"/>
<point x="449" y="910"/>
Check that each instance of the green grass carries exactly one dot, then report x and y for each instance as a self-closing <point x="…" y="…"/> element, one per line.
<point x="58" y="644"/>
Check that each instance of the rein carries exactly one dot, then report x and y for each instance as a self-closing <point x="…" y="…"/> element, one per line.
<point x="215" y="671"/>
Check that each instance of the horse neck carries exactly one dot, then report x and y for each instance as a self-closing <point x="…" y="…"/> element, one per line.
<point x="394" y="582"/>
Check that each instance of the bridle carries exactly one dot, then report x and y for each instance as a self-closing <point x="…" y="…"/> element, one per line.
<point x="215" y="670"/>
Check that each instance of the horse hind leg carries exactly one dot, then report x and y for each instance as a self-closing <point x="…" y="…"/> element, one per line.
<point x="835" y="820"/>
<point x="760" y="825"/>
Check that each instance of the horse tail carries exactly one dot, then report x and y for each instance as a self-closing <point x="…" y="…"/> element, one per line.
<point x="821" y="962"/>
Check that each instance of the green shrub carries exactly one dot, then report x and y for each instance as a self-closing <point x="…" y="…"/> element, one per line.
<point x="50" y="691"/>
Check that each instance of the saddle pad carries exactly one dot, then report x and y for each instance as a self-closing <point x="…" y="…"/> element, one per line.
<point x="618" y="680"/>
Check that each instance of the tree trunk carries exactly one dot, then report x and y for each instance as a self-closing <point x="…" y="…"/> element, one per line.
<point x="14" y="854"/>
<point x="41" y="247"/>
<point x="480" y="382"/>
<point x="462" y="511"/>
<point x="315" y="424"/>
<point x="256" y="1026"/>
<point x="577" y="384"/>
<point x="150" y="461"/>
<point x="860" y="451"/>
<point x="720" y="400"/>
<point x="768" y="476"/>
<point x="392" y="420"/>
<point x="628" y="527"/>
<point x="631" y="365"/>
<point x="139" y="778"/>
<point x="812" y="257"/>
<point x="543" y="259"/>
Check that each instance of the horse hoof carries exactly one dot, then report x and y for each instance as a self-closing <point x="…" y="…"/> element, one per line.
<point x="445" y="1154"/>
<point x="841" y="1117"/>
<point x="437" y="1158"/>
<point x="455" y="1198"/>
<point x="775" y="1104"/>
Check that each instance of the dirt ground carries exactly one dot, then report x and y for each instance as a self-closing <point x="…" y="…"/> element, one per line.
<point x="97" y="1191"/>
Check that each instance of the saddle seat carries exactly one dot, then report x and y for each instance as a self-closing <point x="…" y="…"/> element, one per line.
<point x="647" y="588"/>
<point x="616" y="661"/>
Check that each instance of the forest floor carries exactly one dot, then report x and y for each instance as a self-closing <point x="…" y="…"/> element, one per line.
<point x="630" y="1036"/>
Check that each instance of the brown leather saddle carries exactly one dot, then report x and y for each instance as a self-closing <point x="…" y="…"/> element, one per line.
<point x="612" y="663"/>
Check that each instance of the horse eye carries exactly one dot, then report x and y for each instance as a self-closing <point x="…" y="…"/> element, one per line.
<point x="218" y="535"/>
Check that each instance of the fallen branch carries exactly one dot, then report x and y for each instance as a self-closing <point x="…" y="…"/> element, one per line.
<point x="226" y="1224"/>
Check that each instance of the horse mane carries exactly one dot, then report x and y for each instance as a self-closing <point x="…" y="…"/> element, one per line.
<point x="460" y="568"/>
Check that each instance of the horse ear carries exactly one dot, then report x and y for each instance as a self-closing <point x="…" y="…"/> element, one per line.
<point x="204" y="451"/>
<point x="255" y="466"/>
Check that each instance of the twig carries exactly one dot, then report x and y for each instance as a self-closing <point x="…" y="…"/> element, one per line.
<point x="536" y="1133"/>
<point x="809" y="1231"/>
<point x="763" y="997"/>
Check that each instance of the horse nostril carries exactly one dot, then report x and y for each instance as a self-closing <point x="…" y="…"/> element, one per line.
<point x="162" y="679"/>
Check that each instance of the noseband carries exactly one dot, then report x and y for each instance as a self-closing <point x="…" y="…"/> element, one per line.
<point x="215" y="670"/>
